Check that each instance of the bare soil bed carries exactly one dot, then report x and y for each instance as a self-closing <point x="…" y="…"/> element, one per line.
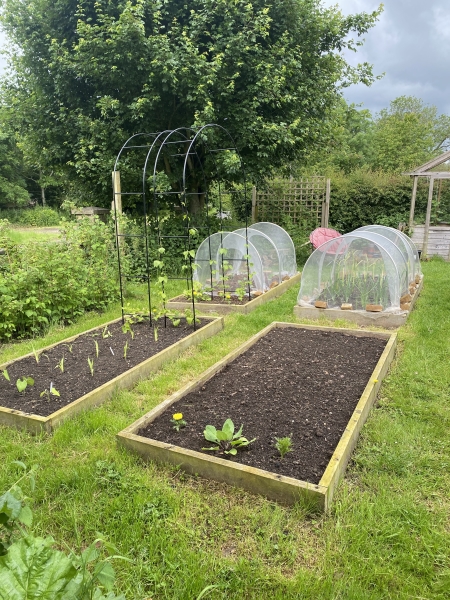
<point x="292" y="382"/>
<point x="77" y="380"/>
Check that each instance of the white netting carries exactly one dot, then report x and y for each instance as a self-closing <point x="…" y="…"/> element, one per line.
<point x="359" y="268"/>
<point x="256" y="258"/>
<point x="405" y="244"/>
<point x="223" y="265"/>
<point x="269" y="254"/>
<point x="284" y="244"/>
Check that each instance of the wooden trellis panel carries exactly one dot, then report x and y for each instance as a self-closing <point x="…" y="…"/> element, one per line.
<point x="305" y="199"/>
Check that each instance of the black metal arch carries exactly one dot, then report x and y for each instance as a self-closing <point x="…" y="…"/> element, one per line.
<point x="192" y="147"/>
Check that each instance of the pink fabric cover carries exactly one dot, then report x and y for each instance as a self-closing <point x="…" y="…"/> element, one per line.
<point x="321" y="235"/>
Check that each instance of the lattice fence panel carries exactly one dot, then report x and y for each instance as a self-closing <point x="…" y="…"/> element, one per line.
<point x="302" y="200"/>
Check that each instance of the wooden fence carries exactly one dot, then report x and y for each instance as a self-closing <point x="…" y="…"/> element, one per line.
<point x="302" y="200"/>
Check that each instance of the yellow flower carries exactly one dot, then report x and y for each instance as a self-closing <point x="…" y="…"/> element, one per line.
<point x="177" y="416"/>
<point x="227" y="296"/>
<point x="375" y="380"/>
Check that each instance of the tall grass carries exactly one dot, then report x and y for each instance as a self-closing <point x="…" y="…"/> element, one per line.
<point x="386" y="537"/>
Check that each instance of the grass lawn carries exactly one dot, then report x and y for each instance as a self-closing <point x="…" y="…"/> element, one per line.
<point x="387" y="535"/>
<point x="20" y="235"/>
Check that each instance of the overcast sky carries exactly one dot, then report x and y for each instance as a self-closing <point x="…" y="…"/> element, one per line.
<point x="410" y="44"/>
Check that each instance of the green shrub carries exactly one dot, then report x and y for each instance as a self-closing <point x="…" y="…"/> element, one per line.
<point x="366" y="198"/>
<point x="33" y="217"/>
<point x="56" y="281"/>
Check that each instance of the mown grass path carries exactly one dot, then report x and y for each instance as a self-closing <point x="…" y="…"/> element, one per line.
<point x="387" y="536"/>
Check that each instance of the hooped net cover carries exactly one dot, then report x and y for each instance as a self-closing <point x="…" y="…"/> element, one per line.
<point x="359" y="268"/>
<point x="284" y="244"/>
<point x="269" y="254"/>
<point x="403" y="242"/>
<point x="259" y="257"/>
<point x="225" y="265"/>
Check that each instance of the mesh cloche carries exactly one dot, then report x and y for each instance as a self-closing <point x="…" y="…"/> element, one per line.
<point x="358" y="268"/>
<point x="403" y="242"/>
<point x="284" y="244"/>
<point x="254" y="259"/>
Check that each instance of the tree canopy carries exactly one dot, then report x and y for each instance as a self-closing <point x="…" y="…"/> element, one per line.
<point x="408" y="133"/>
<point x="87" y="75"/>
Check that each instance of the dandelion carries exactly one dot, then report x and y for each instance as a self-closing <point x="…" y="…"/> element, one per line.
<point x="177" y="421"/>
<point x="375" y="380"/>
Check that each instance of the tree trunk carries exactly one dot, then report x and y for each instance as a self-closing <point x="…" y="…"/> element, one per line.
<point x="42" y="190"/>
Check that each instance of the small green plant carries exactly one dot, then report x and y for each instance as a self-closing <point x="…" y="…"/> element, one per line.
<point x="60" y="365"/>
<point x="155" y="333"/>
<point x="96" y="348"/>
<point x="37" y="355"/>
<point x="106" y="333"/>
<point x="91" y="365"/>
<point x="177" y="421"/>
<point x="23" y="382"/>
<point x="6" y="374"/>
<point x="31" y="566"/>
<point x="69" y="346"/>
<point x="51" y="392"/>
<point x="125" y="350"/>
<point x="227" y="442"/>
<point x="126" y="327"/>
<point x="284" y="445"/>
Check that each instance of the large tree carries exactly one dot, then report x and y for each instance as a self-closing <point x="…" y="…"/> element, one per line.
<point x="87" y="75"/>
<point x="408" y="133"/>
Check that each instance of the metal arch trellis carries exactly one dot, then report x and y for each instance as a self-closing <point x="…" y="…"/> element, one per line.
<point x="192" y="148"/>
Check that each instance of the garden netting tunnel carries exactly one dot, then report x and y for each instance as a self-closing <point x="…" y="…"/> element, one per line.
<point x="248" y="260"/>
<point x="369" y="267"/>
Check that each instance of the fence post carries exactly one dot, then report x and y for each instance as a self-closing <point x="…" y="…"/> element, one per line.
<point x="254" y="210"/>
<point x="326" y="205"/>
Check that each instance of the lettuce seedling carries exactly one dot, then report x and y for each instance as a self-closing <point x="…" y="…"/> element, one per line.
<point x="227" y="442"/>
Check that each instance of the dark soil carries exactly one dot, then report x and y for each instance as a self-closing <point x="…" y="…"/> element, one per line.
<point x="76" y="380"/>
<point x="293" y="382"/>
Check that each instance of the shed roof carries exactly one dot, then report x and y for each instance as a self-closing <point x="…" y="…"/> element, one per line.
<point x="425" y="169"/>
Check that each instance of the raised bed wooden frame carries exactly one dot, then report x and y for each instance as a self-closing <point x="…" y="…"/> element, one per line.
<point x="361" y="317"/>
<point x="225" y="309"/>
<point x="36" y="423"/>
<point x="286" y="490"/>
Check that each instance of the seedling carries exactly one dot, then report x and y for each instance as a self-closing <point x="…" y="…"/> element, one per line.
<point x="284" y="445"/>
<point x="155" y="333"/>
<point x="53" y="391"/>
<point x="91" y="365"/>
<point x="60" y="365"/>
<point x="125" y="350"/>
<point x="37" y="355"/>
<point x="70" y="347"/>
<point x="106" y="333"/>
<point x="126" y="328"/>
<point x="6" y="375"/>
<point x="227" y="442"/>
<point x="23" y="383"/>
<point x="96" y="347"/>
<point x="177" y="421"/>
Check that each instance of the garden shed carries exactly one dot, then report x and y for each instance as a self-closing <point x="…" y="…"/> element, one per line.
<point x="431" y="239"/>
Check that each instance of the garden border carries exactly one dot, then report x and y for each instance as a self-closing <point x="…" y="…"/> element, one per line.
<point x="225" y="309"/>
<point x="286" y="490"/>
<point x="361" y="317"/>
<point x="37" y="423"/>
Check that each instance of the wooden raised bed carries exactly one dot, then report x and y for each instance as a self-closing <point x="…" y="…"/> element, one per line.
<point x="387" y="320"/>
<point x="285" y="489"/>
<point x="36" y="423"/>
<point x="225" y="309"/>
